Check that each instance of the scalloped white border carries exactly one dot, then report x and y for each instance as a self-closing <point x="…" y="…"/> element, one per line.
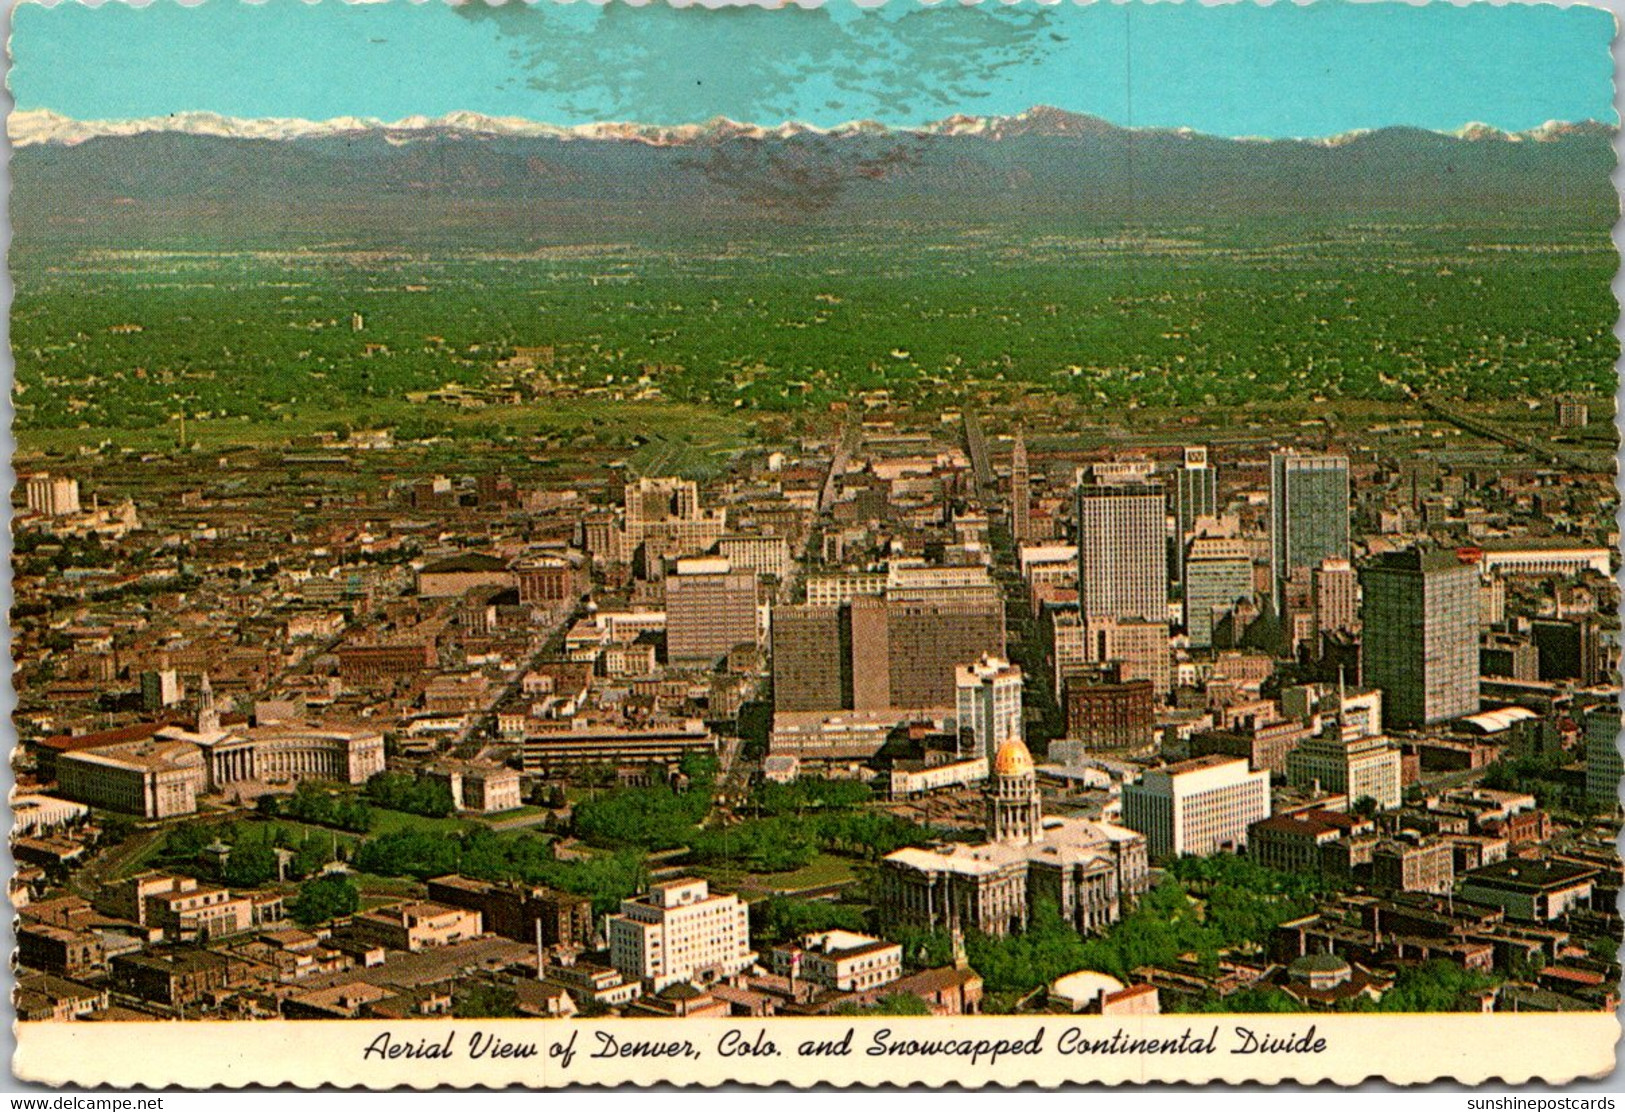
<point x="1511" y="1050"/>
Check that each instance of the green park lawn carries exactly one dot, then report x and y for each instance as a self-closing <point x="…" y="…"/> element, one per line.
<point x="392" y="822"/>
<point x="821" y="871"/>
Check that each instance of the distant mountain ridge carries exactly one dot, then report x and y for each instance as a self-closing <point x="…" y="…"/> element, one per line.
<point x="467" y="178"/>
<point x="30" y="127"/>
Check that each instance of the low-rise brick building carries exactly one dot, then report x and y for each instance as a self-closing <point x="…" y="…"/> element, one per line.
<point x="514" y="911"/>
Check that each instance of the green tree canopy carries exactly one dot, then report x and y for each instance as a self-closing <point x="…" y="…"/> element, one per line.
<point x="325" y="898"/>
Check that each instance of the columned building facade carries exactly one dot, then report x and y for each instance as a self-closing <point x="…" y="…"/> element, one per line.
<point x="1089" y="871"/>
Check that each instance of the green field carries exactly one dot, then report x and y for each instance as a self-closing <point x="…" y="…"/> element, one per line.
<point x="821" y="871"/>
<point x="389" y="822"/>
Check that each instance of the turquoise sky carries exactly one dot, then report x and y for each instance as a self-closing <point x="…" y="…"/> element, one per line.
<point x="1236" y="70"/>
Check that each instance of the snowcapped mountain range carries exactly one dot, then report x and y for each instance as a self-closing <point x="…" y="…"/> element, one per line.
<point x="36" y="127"/>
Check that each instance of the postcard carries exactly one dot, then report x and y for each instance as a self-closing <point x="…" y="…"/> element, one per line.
<point x="607" y="543"/>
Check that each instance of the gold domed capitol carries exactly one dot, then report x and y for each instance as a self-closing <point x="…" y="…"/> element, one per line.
<point x="1013" y="759"/>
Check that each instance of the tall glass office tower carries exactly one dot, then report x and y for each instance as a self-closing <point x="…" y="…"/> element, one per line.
<point x="1419" y="617"/>
<point x="1309" y="513"/>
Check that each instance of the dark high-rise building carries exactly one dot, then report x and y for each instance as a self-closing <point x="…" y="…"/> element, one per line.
<point x="810" y="669"/>
<point x="927" y="641"/>
<point x="877" y="654"/>
<point x="1419" y="615"/>
<point x="1196" y="490"/>
<point x="1508" y="655"/>
<point x="1309" y="513"/>
<point x="866" y="640"/>
<point x="1567" y="650"/>
<point x="1195" y="493"/>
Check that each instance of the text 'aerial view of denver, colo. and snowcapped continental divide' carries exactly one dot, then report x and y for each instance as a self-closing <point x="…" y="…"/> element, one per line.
<point x="594" y="511"/>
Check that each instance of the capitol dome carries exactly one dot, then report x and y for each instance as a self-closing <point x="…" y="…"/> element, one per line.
<point x="1013" y="759"/>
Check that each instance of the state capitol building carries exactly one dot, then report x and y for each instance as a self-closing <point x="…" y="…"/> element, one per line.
<point x="1088" y="870"/>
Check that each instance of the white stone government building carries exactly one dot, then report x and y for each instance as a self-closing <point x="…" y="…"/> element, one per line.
<point x="160" y="772"/>
<point x="1090" y="871"/>
<point x="680" y="932"/>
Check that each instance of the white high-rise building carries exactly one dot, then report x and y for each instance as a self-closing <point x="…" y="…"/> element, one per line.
<point x="53" y="495"/>
<point x="679" y="933"/>
<point x="1196" y="490"/>
<point x="1198" y="807"/>
<point x="988" y="699"/>
<point x="1360" y="767"/>
<point x="1122" y="551"/>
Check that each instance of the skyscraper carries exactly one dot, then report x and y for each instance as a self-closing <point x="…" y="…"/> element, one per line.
<point x="710" y="610"/>
<point x="811" y="662"/>
<point x="1122" y="551"/>
<point x="1309" y="513"/>
<point x="989" y="706"/>
<point x="879" y="652"/>
<point x="1604" y="767"/>
<point x="868" y="645"/>
<point x="1195" y="494"/>
<point x="1197" y="807"/>
<point x="1020" y="495"/>
<point x="1420" y="635"/>
<point x="1218" y="573"/>
<point x="1196" y="490"/>
<point x="926" y="641"/>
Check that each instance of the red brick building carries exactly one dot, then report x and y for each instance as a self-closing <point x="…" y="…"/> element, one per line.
<point x="1111" y="716"/>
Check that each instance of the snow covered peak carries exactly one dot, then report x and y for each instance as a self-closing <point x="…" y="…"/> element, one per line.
<point x="35" y="126"/>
